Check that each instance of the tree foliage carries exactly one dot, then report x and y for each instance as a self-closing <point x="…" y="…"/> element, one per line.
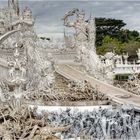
<point x="110" y="45"/>
<point x="131" y="47"/>
<point x="45" y="38"/>
<point x="114" y="29"/>
<point x="111" y="36"/>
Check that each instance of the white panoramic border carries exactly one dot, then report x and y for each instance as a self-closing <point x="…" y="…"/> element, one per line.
<point x="81" y="0"/>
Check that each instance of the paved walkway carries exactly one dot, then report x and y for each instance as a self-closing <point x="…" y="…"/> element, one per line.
<point x="72" y="73"/>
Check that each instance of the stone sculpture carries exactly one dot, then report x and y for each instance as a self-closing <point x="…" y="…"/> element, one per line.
<point x="91" y="33"/>
<point x="125" y="56"/>
<point x="85" y="31"/>
<point x="17" y="72"/>
<point x="22" y="122"/>
<point x="14" y="7"/>
<point x="132" y="84"/>
<point x="25" y="61"/>
<point x="138" y="54"/>
<point x="99" y="124"/>
<point x="80" y="25"/>
<point x="85" y="40"/>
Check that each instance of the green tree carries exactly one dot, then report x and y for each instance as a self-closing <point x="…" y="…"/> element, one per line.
<point x="114" y="29"/>
<point x="110" y="45"/>
<point x="131" y="47"/>
<point x="107" y="26"/>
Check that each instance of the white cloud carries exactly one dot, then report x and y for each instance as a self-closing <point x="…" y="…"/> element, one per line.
<point x="49" y="12"/>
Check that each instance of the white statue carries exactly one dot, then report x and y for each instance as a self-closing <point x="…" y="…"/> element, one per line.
<point x="27" y="17"/>
<point x="109" y="59"/>
<point x="27" y="13"/>
<point x="85" y="40"/>
<point x="80" y="25"/>
<point x="91" y="29"/>
<point x="13" y="6"/>
<point x="85" y="31"/>
<point x="30" y="49"/>
<point x="118" y="59"/>
<point x="125" y="56"/>
<point x="23" y="69"/>
<point x="17" y="73"/>
<point x="47" y="79"/>
<point x="2" y="27"/>
<point x="11" y="70"/>
<point x="50" y="80"/>
<point x="138" y="54"/>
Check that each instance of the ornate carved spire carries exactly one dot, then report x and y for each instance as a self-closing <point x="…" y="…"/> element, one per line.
<point x="27" y="13"/>
<point x="14" y="6"/>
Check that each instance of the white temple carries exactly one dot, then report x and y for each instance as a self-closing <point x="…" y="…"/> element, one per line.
<point x="37" y="74"/>
<point x="38" y="63"/>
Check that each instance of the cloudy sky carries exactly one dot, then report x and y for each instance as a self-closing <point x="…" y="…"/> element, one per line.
<point x="49" y="13"/>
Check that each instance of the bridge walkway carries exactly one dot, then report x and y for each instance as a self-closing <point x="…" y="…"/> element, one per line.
<point x="111" y="91"/>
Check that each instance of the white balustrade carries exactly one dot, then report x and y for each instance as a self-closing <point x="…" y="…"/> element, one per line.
<point x="127" y="68"/>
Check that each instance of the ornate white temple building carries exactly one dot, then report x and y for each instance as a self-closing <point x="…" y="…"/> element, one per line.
<point x="33" y="77"/>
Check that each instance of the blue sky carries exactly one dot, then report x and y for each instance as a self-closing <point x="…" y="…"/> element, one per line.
<point x="48" y="14"/>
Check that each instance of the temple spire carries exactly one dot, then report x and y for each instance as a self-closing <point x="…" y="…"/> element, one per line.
<point x="90" y="16"/>
<point x="14" y="6"/>
<point x="64" y="32"/>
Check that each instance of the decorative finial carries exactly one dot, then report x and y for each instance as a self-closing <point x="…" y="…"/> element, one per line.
<point x="90" y="16"/>
<point x="16" y="54"/>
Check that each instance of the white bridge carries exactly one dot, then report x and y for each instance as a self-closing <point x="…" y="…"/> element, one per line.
<point x="111" y="91"/>
<point x="68" y="69"/>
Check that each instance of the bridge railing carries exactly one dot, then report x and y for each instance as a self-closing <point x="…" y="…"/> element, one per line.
<point x="127" y="69"/>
